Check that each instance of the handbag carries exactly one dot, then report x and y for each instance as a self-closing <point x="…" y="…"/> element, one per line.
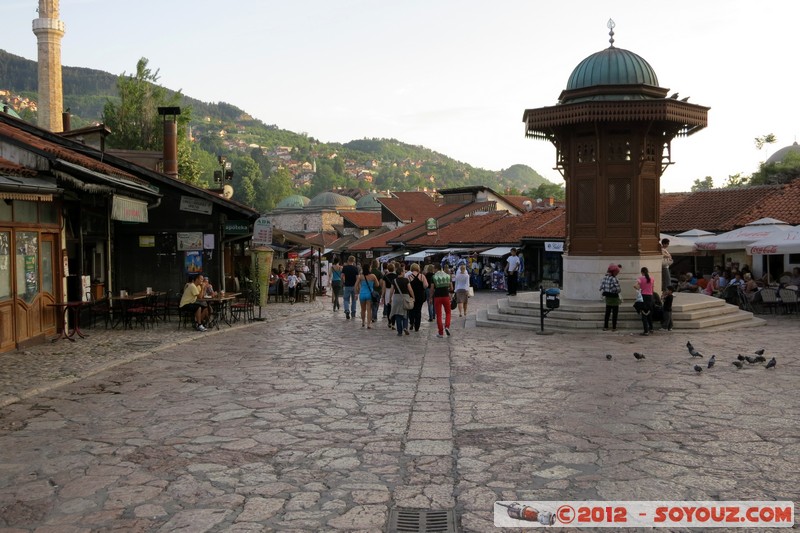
<point x="470" y="292"/>
<point x="453" y="302"/>
<point x="408" y="300"/>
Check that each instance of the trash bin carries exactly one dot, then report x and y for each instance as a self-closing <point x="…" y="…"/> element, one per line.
<point x="551" y="298"/>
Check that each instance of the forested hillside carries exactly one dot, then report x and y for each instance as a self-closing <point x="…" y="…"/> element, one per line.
<point x="270" y="161"/>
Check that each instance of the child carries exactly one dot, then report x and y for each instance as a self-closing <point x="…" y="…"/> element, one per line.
<point x="666" y="309"/>
<point x="293" y="282"/>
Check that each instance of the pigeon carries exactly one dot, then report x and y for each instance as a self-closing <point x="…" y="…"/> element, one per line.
<point x="740" y="357"/>
<point x="674" y="96"/>
<point x="689" y="346"/>
<point x="695" y="353"/>
<point x="760" y="359"/>
<point x="712" y="361"/>
<point x="608" y="356"/>
<point x="698" y="368"/>
<point x="685" y="99"/>
<point x="638" y="356"/>
<point x="738" y="364"/>
<point x="759" y="352"/>
<point x="772" y="363"/>
<point x="751" y="360"/>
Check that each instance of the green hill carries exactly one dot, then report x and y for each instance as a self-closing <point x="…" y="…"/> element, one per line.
<point x="221" y="128"/>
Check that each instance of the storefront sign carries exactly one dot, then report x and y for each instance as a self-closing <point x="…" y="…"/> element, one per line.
<point x="262" y="232"/>
<point x="128" y="210"/>
<point x="432" y="226"/>
<point x="237" y="227"/>
<point x="195" y="205"/>
<point x="553" y="246"/>
<point x="147" y="241"/>
<point x="190" y="241"/>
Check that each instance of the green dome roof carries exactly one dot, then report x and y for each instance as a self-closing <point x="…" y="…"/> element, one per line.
<point x="370" y="202"/>
<point x="612" y="66"/>
<point x="294" y="201"/>
<point x="331" y="199"/>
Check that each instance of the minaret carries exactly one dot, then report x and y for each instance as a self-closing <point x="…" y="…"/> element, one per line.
<point x="49" y="31"/>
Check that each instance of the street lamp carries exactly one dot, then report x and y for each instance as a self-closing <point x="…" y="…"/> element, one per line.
<point x="226" y="170"/>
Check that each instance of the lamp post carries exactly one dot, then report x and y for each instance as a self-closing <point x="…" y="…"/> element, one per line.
<point x="225" y="172"/>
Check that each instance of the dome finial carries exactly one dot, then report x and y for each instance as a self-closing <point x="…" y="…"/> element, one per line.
<point x="611" y="26"/>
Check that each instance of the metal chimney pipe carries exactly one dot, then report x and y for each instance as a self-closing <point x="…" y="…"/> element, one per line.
<point x="170" y="115"/>
<point x="66" y="118"/>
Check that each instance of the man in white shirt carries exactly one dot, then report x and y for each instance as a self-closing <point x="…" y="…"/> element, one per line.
<point x="512" y="270"/>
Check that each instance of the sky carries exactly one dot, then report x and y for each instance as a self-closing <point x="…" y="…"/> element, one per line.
<point x="454" y="76"/>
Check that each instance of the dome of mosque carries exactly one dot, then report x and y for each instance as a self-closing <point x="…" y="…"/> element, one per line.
<point x="331" y="199"/>
<point x="295" y="201"/>
<point x="370" y="201"/>
<point x="779" y="156"/>
<point x="612" y="66"/>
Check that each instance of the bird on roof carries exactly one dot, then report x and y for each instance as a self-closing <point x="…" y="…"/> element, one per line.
<point x="685" y="99"/>
<point x="674" y="96"/>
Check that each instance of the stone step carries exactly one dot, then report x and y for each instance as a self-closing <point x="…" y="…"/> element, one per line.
<point x="693" y="312"/>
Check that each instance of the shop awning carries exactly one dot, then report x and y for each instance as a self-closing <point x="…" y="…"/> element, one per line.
<point x="30" y="189"/>
<point x="498" y="251"/>
<point x="113" y="182"/>
<point x="391" y="255"/>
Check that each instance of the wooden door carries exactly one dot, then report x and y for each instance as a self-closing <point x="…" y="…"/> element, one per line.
<point x="7" y="325"/>
<point x="50" y="287"/>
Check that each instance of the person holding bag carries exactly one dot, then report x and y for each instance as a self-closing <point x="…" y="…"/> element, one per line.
<point x="611" y="290"/>
<point x="419" y="286"/>
<point x="365" y="286"/>
<point x="462" y="289"/>
<point x="400" y="295"/>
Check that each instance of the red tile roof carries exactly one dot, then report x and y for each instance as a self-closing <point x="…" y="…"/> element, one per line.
<point x="10" y="168"/>
<point x="362" y="219"/>
<point x="408" y="206"/>
<point x="720" y="210"/>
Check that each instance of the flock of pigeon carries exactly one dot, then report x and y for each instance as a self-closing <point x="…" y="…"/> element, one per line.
<point x="756" y="358"/>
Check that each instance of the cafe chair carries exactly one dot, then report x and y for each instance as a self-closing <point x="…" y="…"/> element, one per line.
<point x="789" y="300"/>
<point x="769" y="299"/>
<point x="100" y="309"/>
<point x="144" y="313"/>
<point x="244" y="308"/>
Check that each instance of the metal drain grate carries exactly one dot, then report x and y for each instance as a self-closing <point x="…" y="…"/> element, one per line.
<point x="421" y="521"/>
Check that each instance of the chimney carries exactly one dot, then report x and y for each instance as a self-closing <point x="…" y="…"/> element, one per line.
<point x="170" y="115"/>
<point x="65" y="120"/>
<point x="551" y="201"/>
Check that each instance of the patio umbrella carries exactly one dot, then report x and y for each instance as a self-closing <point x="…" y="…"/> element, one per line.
<point x="779" y="244"/>
<point x="678" y="245"/>
<point x="740" y="238"/>
<point x="694" y="234"/>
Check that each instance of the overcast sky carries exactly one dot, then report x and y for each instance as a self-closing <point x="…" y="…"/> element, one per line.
<point x="452" y="75"/>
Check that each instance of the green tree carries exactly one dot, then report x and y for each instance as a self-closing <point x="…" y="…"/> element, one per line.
<point x="784" y="171"/>
<point x="737" y="180"/>
<point x="546" y="190"/>
<point x="136" y="125"/>
<point x="703" y="185"/>
<point x="769" y="138"/>
<point x="279" y="186"/>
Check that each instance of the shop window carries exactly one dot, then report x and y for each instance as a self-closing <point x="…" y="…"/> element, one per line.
<point x="47" y="267"/>
<point x="5" y="210"/>
<point x="5" y="265"/>
<point x="27" y="265"/>
<point x="25" y="211"/>
<point x="48" y="214"/>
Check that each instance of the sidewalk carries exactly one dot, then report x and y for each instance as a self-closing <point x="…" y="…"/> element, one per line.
<point x="35" y="369"/>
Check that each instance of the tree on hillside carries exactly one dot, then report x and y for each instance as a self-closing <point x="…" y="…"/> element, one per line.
<point x="546" y="190"/>
<point x="737" y="180"/>
<point x="135" y="123"/>
<point x="703" y="185"/>
<point x="279" y="186"/>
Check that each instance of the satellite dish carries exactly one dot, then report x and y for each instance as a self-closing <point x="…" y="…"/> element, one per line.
<point x="527" y="205"/>
<point x="227" y="192"/>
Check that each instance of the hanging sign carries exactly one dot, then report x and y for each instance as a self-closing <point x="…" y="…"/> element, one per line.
<point x="195" y="205"/>
<point x="553" y="246"/>
<point x="432" y="226"/>
<point x="262" y="232"/>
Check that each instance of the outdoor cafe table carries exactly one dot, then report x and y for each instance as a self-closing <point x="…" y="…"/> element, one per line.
<point x="70" y="308"/>
<point x="221" y="306"/>
<point x="125" y="303"/>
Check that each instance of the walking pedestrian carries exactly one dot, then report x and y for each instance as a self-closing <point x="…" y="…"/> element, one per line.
<point x="512" y="271"/>
<point x="336" y="283"/>
<point x="429" y="293"/>
<point x="666" y="262"/>
<point x="375" y="269"/>
<point x="366" y="283"/>
<point x="400" y="286"/>
<point x="461" y="284"/>
<point x="611" y="291"/>
<point x="442" y="286"/>
<point x="350" y="273"/>
<point x="645" y="284"/>
<point x="386" y="284"/>
<point x="419" y="286"/>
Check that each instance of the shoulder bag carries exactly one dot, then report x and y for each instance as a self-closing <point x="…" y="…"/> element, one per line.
<point x="408" y="300"/>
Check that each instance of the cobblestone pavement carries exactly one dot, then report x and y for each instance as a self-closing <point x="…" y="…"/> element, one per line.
<point x="309" y="422"/>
